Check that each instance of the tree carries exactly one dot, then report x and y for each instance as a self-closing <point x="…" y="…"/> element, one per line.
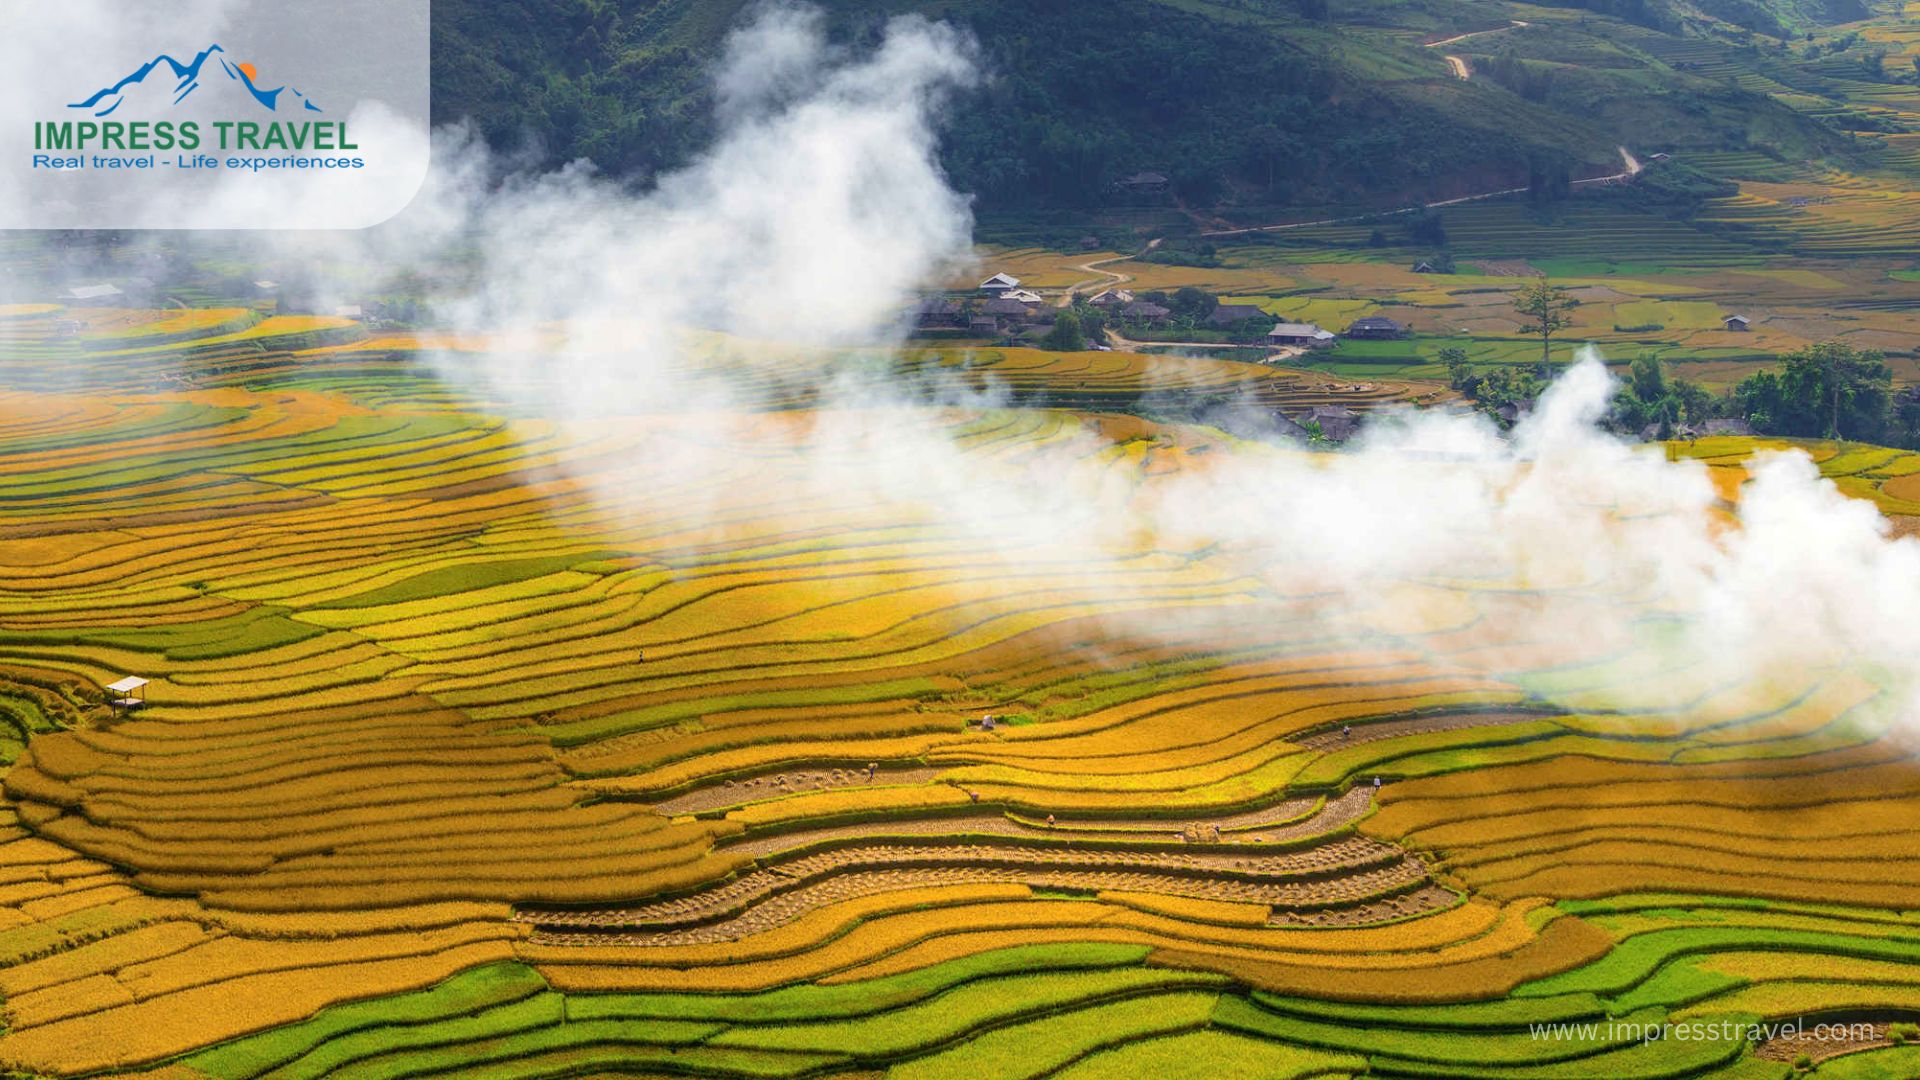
<point x="1859" y="379"/>
<point x="1066" y="335"/>
<point x="1546" y="306"/>
<point x="1695" y="402"/>
<point x="1195" y="304"/>
<point x="1427" y="228"/>
<point x="1459" y="375"/>
<point x="1093" y="321"/>
<point x="1829" y="389"/>
<point x="1649" y="379"/>
<point x="1906" y="417"/>
<point x="1651" y="398"/>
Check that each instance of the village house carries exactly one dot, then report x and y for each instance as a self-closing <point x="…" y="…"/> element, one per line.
<point x="1376" y="327"/>
<point x="1738" y="323"/>
<point x="1005" y="310"/>
<point x="1112" y="298"/>
<point x="1337" y="422"/>
<point x="1144" y="183"/>
<point x="1145" y="311"/>
<point x="1225" y="315"/>
<point x="1289" y="428"/>
<point x="1726" y="426"/>
<point x="999" y="283"/>
<point x="1305" y="335"/>
<point x="1424" y="267"/>
<point x="939" y="313"/>
<point x="1025" y="296"/>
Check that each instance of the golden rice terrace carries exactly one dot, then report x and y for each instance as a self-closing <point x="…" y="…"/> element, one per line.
<point x="480" y="744"/>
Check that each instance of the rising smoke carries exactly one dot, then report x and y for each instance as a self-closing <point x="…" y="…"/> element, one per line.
<point x="819" y="211"/>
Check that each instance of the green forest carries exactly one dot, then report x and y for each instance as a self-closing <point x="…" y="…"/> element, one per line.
<point x="1247" y="102"/>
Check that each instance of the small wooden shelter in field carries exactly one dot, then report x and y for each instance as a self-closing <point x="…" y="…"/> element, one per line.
<point x="91" y="294"/>
<point x="128" y="693"/>
<point x="1738" y="323"/>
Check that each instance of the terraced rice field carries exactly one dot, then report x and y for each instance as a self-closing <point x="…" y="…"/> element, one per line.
<point x="479" y="744"/>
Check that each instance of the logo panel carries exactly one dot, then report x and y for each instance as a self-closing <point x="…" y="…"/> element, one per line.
<point x="213" y="114"/>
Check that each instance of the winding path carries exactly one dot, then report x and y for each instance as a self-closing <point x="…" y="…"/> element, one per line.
<point x="1513" y="25"/>
<point x="1093" y="267"/>
<point x="1632" y="169"/>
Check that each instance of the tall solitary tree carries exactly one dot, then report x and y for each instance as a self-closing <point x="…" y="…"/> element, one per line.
<point x="1547" y="308"/>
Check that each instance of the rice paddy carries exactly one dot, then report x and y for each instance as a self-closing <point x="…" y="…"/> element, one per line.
<point x="482" y="745"/>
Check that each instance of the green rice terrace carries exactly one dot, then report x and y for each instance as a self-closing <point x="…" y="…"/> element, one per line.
<point x="1235" y="639"/>
<point x="450" y="765"/>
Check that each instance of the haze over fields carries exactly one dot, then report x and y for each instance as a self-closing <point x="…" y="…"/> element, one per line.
<point x="652" y="609"/>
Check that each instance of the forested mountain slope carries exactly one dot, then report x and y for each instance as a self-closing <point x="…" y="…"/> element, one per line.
<point x="1238" y="101"/>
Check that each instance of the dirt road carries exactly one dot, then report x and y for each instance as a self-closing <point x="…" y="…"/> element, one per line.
<point x="1632" y="168"/>
<point x="1462" y="69"/>
<point x="1515" y="24"/>
<point x="1108" y="279"/>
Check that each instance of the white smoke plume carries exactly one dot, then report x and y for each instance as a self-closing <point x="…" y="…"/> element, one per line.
<point x="812" y="219"/>
<point x="820" y="210"/>
<point x="1796" y="578"/>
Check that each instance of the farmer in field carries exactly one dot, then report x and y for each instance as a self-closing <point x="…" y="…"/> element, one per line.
<point x="871" y="766"/>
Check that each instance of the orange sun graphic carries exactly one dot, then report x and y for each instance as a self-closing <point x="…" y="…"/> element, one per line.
<point x="252" y="74"/>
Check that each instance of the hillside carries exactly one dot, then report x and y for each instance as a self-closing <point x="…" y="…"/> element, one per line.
<point x="1240" y="103"/>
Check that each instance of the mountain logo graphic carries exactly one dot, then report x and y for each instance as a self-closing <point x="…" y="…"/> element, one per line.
<point x="187" y="78"/>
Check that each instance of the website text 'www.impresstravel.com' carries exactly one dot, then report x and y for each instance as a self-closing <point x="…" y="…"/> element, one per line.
<point x="1619" y="1031"/>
